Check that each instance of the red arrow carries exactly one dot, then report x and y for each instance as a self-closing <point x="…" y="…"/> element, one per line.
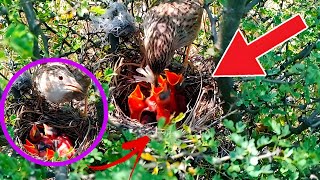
<point x="137" y="146"/>
<point x="240" y="58"/>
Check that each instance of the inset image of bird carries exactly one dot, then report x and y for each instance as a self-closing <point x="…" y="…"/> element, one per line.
<point x="56" y="82"/>
<point x="168" y="27"/>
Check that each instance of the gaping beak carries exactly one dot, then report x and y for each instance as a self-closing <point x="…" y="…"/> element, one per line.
<point x="137" y="93"/>
<point x="136" y="103"/>
<point x="173" y="78"/>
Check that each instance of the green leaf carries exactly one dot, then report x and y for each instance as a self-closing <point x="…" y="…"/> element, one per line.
<point x="240" y="126"/>
<point x="108" y="74"/>
<point x="285" y="143"/>
<point x="97" y="10"/>
<point x="20" y="39"/>
<point x="96" y="154"/>
<point x="229" y="124"/>
<point x="161" y="123"/>
<point x="211" y="160"/>
<point x="128" y="135"/>
<point x="236" y="138"/>
<point x="105" y="87"/>
<point x="179" y="118"/>
<point x="263" y="141"/>
<point x="187" y="128"/>
<point x="234" y="168"/>
<point x="13" y="117"/>
<point x="276" y="127"/>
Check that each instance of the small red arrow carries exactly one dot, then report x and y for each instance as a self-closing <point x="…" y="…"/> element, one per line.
<point x="137" y="146"/>
<point x="240" y="58"/>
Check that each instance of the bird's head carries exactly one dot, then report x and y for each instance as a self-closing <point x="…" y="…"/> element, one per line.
<point x="57" y="84"/>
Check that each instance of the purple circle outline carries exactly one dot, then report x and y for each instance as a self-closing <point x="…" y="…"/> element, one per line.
<point x="105" y="114"/>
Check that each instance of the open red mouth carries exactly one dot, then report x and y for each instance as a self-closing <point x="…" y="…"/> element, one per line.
<point x="162" y="102"/>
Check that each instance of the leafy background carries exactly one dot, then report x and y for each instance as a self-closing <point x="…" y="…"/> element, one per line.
<point x="277" y="136"/>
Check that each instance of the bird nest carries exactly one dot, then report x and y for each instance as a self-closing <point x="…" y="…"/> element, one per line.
<point x="31" y="109"/>
<point x="200" y="90"/>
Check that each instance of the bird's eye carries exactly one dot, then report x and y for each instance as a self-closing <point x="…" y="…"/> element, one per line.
<point x="60" y="78"/>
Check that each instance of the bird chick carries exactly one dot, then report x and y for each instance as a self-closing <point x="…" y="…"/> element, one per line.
<point x="22" y="84"/>
<point x="117" y="21"/>
<point x="57" y="84"/>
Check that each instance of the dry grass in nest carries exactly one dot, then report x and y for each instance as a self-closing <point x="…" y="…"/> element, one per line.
<point x="32" y="109"/>
<point x="201" y="92"/>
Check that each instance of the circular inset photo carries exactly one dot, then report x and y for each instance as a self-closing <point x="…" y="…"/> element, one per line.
<point x="50" y="112"/>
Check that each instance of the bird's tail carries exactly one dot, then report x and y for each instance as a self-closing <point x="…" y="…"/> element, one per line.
<point x="148" y="75"/>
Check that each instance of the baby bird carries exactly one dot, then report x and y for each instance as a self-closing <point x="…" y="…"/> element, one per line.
<point x="22" y="85"/>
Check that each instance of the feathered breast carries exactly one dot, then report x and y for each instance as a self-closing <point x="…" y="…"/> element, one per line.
<point x="168" y="27"/>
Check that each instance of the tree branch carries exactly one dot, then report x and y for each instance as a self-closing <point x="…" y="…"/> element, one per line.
<point x="250" y="5"/>
<point x="274" y="81"/>
<point x="34" y="27"/>
<point x="305" y="52"/>
<point x="313" y="121"/>
<point x="231" y="16"/>
<point x="213" y="20"/>
<point x="302" y="54"/>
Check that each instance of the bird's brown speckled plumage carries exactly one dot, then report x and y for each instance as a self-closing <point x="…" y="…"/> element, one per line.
<point x="168" y="27"/>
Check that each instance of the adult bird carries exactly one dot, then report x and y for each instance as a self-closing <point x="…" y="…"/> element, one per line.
<point x="59" y="83"/>
<point x="168" y="27"/>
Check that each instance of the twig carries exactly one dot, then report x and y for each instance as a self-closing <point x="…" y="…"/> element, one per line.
<point x="217" y="161"/>
<point x="188" y="119"/>
<point x="275" y="81"/>
<point x="184" y="153"/>
<point x="250" y="5"/>
<point x="213" y="20"/>
<point x="223" y="117"/>
<point x="302" y="54"/>
<point x="312" y="121"/>
<point x="4" y="77"/>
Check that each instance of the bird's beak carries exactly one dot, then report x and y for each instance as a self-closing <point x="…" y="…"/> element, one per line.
<point x="137" y="94"/>
<point x="136" y="103"/>
<point x="173" y="78"/>
<point x="75" y="87"/>
<point x="49" y="154"/>
<point x="161" y="81"/>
